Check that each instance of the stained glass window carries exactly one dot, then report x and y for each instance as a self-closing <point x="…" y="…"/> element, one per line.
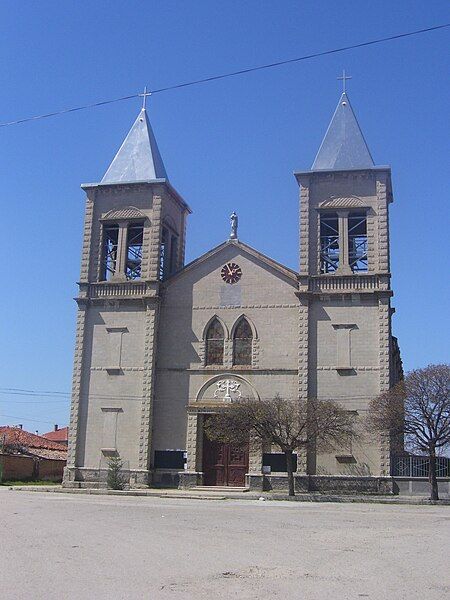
<point x="214" y="343"/>
<point x="242" y="343"/>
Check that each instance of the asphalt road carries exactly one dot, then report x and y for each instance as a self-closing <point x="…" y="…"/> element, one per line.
<point x="58" y="546"/>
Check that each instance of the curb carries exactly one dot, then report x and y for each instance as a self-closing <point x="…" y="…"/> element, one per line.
<point x="395" y="500"/>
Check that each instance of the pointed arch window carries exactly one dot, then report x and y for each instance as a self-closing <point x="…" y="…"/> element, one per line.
<point x="242" y="343"/>
<point x="214" y="343"/>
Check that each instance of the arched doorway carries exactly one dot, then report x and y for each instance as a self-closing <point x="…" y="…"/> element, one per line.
<point x="223" y="464"/>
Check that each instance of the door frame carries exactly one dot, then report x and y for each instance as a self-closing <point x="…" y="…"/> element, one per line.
<point x="228" y="448"/>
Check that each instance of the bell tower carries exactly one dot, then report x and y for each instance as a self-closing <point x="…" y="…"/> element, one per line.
<point x="133" y="238"/>
<point x="346" y="348"/>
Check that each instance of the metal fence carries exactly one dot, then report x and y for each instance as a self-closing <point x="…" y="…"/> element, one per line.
<point x="418" y="466"/>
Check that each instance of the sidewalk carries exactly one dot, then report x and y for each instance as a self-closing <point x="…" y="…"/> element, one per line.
<point x="200" y="494"/>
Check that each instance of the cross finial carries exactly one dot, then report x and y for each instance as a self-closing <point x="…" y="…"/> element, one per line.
<point x="344" y="78"/>
<point x="144" y="97"/>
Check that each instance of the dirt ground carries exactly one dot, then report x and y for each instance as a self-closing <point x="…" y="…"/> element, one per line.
<point x="58" y="546"/>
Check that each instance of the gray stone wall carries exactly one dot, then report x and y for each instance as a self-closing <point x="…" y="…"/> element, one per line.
<point x="141" y="382"/>
<point x="113" y="381"/>
<point x="345" y="318"/>
<point x="265" y="295"/>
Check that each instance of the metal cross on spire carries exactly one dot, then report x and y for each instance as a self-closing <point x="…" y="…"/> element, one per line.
<point x="144" y="97"/>
<point x="344" y="78"/>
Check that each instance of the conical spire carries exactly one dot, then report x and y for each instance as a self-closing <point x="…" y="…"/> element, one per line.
<point x="138" y="158"/>
<point x="343" y="146"/>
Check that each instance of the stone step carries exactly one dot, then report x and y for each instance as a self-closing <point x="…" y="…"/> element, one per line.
<point x="85" y="485"/>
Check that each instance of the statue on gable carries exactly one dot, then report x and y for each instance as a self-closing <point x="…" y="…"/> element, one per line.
<point x="234" y="226"/>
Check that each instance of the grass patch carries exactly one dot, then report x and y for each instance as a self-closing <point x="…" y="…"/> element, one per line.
<point x="12" y="483"/>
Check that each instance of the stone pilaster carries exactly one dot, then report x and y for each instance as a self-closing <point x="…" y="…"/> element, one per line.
<point x="255" y="457"/>
<point x="146" y="242"/>
<point x="303" y="339"/>
<point x="228" y="353"/>
<point x="87" y="234"/>
<point x="384" y="363"/>
<point x="145" y="442"/>
<point x="256" y="352"/>
<point x="383" y="227"/>
<point x="304" y="228"/>
<point x="344" y="266"/>
<point x="182" y="248"/>
<point x="202" y="352"/>
<point x="372" y="243"/>
<point x="76" y="384"/>
<point x="303" y="349"/>
<point x="191" y="441"/>
<point x="155" y="239"/>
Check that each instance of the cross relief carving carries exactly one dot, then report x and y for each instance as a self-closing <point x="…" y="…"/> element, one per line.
<point x="229" y="388"/>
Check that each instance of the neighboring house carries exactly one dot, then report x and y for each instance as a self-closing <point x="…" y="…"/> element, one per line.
<point x="25" y="455"/>
<point x="58" y="435"/>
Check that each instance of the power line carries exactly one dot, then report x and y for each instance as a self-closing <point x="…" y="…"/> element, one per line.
<point x="68" y="110"/>
<point x="26" y="419"/>
<point x="306" y="57"/>
<point x="67" y="396"/>
<point x="230" y="74"/>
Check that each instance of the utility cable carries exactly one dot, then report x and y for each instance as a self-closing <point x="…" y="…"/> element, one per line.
<point x="66" y="396"/>
<point x="230" y="74"/>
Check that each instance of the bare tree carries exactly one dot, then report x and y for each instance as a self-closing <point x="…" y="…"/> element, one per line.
<point x="288" y="424"/>
<point x="418" y="409"/>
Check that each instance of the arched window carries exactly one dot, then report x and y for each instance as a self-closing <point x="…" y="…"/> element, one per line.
<point x="214" y="343"/>
<point x="242" y="343"/>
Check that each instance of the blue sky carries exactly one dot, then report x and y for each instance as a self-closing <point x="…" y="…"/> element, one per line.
<point x="227" y="145"/>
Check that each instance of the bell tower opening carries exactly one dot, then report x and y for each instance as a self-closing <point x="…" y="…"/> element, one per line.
<point x="357" y="242"/>
<point x="329" y="242"/>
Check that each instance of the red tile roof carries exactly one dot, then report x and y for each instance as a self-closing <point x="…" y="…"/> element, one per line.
<point x="32" y="443"/>
<point x="50" y="454"/>
<point x="60" y="435"/>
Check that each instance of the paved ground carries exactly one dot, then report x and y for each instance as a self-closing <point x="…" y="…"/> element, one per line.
<point x="58" y="546"/>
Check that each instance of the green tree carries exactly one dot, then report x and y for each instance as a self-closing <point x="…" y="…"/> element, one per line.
<point x="115" y="479"/>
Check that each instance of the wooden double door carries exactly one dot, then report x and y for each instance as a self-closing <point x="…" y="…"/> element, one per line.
<point x="224" y="464"/>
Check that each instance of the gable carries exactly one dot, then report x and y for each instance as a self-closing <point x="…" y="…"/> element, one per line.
<point x="200" y="283"/>
<point x="229" y="249"/>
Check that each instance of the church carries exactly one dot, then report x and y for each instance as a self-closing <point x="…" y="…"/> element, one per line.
<point x="161" y="345"/>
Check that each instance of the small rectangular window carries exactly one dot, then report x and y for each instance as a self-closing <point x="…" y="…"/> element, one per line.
<point x="357" y="242"/>
<point x="135" y="236"/>
<point x="329" y="242"/>
<point x="169" y="459"/>
<point x="109" y="252"/>
<point x="277" y="461"/>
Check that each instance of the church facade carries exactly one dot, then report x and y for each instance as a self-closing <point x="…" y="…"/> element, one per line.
<point x="161" y="345"/>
